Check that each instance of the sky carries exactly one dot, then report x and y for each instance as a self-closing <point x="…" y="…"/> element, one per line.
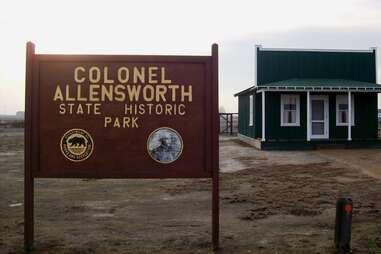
<point x="179" y="28"/>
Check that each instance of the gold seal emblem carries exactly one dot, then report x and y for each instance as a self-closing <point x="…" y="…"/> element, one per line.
<point x="76" y="145"/>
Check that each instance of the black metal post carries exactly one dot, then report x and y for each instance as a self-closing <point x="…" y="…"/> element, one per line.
<point x="344" y="208"/>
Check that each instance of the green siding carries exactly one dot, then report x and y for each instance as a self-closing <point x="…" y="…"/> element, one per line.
<point x="243" y="116"/>
<point x="258" y="116"/>
<point x="282" y="65"/>
<point x="366" y="122"/>
<point x="274" y="131"/>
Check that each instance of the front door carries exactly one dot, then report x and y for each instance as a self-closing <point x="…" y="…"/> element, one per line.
<point x="319" y="117"/>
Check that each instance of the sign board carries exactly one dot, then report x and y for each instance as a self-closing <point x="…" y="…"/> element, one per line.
<point x="120" y="116"/>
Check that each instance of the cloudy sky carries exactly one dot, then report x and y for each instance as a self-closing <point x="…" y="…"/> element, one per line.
<point x="179" y="27"/>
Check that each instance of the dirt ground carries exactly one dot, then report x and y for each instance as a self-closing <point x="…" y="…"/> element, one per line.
<point x="271" y="202"/>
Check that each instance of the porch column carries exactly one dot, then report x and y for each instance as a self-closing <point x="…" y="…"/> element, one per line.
<point x="349" y="116"/>
<point x="308" y="117"/>
<point x="263" y="115"/>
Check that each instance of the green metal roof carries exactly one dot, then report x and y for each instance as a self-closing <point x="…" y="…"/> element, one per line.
<point x="321" y="82"/>
<point x="321" y="85"/>
<point x="326" y="85"/>
<point x="245" y="91"/>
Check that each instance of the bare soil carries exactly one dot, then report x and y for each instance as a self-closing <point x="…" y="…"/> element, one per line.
<point x="271" y="202"/>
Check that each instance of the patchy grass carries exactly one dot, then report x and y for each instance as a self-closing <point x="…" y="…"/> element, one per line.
<point x="279" y="202"/>
<point x="374" y="246"/>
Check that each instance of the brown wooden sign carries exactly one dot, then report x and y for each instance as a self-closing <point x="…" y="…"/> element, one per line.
<point x="120" y="116"/>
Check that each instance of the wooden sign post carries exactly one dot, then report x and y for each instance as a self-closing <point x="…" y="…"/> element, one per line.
<point x="121" y="116"/>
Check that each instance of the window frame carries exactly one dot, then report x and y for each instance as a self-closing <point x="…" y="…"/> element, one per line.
<point x="251" y="110"/>
<point x="283" y="98"/>
<point x="340" y="98"/>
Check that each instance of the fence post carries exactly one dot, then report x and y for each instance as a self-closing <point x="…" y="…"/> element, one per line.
<point x="231" y="124"/>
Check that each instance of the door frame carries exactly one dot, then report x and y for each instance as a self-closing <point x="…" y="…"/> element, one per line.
<point x="325" y="98"/>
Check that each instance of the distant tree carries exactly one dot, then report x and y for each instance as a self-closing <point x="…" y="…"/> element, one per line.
<point x="222" y="109"/>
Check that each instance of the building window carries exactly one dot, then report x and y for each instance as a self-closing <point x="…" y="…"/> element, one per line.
<point x="290" y="110"/>
<point x="251" y="111"/>
<point x="342" y="110"/>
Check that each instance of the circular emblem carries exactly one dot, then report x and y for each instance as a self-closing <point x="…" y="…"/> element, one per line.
<point x="77" y="145"/>
<point x="165" y="145"/>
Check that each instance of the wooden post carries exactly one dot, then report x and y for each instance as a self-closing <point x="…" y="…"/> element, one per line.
<point x="227" y="123"/>
<point x="238" y="124"/>
<point x="215" y="151"/>
<point x="231" y="124"/>
<point x="28" y="177"/>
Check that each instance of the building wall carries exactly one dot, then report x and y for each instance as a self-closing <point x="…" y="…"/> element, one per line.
<point x="274" y="130"/>
<point x="258" y="116"/>
<point x="243" y="115"/>
<point x="365" y="128"/>
<point x="282" y="65"/>
<point x="366" y="122"/>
